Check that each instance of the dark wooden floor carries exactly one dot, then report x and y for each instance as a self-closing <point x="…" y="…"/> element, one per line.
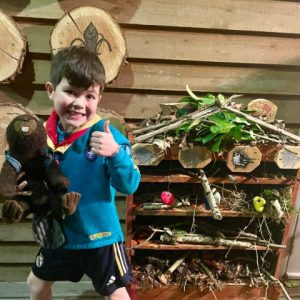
<point x="79" y="291"/>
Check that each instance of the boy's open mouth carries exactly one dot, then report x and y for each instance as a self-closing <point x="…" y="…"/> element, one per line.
<point x="76" y="114"/>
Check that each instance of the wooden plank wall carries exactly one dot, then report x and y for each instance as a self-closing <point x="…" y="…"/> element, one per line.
<point x="251" y="47"/>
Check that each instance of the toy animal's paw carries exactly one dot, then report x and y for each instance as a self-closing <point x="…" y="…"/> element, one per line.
<point x="69" y="202"/>
<point x="47" y="231"/>
<point x="62" y="182"/>
<point x="13" y="211"/>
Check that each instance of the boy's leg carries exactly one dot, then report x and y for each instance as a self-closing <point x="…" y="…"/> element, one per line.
<point x="53" y="265"/>
<point x="39" y="289"/>
<point x="119" y="294"/>
<point x="110" y="271"/>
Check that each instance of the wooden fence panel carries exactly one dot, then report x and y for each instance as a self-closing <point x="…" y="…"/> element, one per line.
<point x="190" y="46"/>
<point x="248" y="15"/>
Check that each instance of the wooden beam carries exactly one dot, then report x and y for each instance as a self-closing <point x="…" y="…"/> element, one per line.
<point x="190" y="46"/>
<point x="250" y="15"/>
<point x="201" y="78"/>
<point x="145" y="105"/>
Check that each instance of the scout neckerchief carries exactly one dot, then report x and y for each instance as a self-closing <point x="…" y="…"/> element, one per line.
<point x="52" y="136"/>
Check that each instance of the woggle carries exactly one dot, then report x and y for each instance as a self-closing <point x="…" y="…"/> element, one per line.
<point x="259" y="203"/>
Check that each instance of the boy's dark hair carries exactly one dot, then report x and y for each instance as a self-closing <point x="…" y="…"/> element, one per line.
<point x="81" y="67"/>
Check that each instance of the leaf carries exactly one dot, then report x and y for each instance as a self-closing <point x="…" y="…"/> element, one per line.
<point x="190" y="107"/>
<point x="191" y="93"/>
<point x="217" y="118"/>
<point x="207" y="138"/>
<point x="211" y="96"/>
<point x="229" y="116"/>
<point x="206" y="101"/>
<point x="221" y="99"/>
<point x="194" y="124"/>
<point x="236" y="133"/>
<point x="252" y="134"/>
<point x="222" y="127"/>
<point x="183" y="128"/>
<point x="241" y="120"/>
<point x="249" y="136"/>
<point x="216" y="146"/>
<point x="187" y="99"/>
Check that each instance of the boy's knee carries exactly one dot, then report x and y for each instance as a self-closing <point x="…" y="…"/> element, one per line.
<point x="37" y="285"/>
<point x="119" y="294"/>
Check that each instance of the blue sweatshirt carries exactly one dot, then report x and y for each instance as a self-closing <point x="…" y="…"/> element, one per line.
<point x="96" y="222"/>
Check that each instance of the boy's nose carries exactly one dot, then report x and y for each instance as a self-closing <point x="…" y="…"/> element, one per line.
<point x="78" y="102"/>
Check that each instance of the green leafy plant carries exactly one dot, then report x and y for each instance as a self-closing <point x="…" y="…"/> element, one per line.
<point x="217" y="130"/>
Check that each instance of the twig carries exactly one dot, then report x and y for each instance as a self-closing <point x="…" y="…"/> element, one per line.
<point x="263" y="123"/>
<point x="278" y="282"/>
<point x="211" y="276"/>
<point x="164" y="278"/>
<point x="210" y="196"/>
<point x="195" y="115"/>
<point x="149" y="128"/>
<point x="198" y="239"/>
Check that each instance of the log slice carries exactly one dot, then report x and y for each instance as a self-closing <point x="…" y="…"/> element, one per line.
<point x="95" y="29"/>
<point x="12" y="48"/>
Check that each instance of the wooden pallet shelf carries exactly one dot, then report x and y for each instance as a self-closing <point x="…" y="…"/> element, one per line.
<point x="229" y="292"/>
<point x="190" y="211"/>
<point x="169" y="176"/>
<point x="217" y="180"/>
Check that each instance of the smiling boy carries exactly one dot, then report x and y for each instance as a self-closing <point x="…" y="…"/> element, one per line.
<point x="96" y="158"/>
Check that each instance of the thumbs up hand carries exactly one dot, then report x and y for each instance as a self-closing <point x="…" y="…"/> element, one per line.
<point x="103" y="143"/>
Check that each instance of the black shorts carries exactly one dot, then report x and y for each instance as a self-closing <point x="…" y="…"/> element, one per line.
<point x="108" y="266"/>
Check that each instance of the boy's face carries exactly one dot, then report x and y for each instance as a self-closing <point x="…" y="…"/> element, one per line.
<point x="74" y="105"/>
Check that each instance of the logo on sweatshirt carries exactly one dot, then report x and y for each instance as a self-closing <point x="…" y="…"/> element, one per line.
<point x="99" y="235"/>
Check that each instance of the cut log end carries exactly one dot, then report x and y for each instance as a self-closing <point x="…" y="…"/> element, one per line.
<point x="96" y="30"/>
<point x="12" y="49"/>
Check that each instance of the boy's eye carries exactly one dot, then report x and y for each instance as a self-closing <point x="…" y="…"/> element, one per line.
<point x="90" y="97"/>
<point x="70" y="92"/>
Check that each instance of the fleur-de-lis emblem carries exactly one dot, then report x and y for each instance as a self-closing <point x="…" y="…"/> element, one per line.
<point x="92" y="39"/>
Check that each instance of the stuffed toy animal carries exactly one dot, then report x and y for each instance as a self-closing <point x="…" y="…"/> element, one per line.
<point x="46" y="194"/>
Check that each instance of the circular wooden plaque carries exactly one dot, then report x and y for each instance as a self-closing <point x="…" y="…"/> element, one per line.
<point x="95" y="29"/>
<point x="12" y="48"/>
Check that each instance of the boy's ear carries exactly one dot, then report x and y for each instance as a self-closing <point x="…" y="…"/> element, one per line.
<point x="50" y="90"/>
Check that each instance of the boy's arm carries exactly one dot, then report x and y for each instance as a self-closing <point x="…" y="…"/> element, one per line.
<point x="110" y="143"/>
<point x="125" y="175"/>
